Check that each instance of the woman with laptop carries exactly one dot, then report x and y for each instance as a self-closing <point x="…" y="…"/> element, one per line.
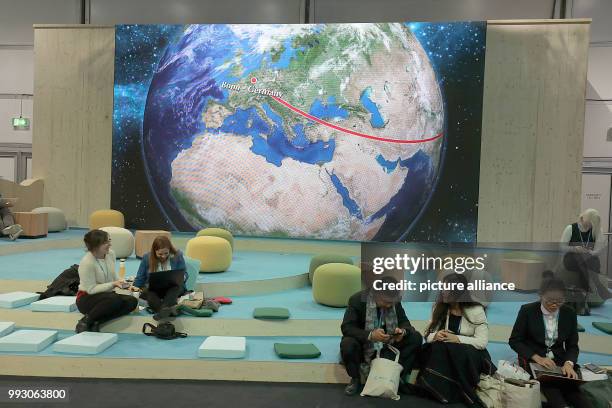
<point x="96" y="297"/>
<point x="455" y="353"/>
<point x="546" y="333"/>
<point x="162" y="257"/>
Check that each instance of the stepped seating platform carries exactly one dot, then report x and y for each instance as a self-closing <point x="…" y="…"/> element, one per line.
<point x="264" y="273"/>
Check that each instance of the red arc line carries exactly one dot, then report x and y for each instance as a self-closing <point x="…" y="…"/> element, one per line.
<point x="341" y="129"/>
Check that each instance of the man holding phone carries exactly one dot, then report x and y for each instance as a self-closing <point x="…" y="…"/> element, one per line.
<point x="373" y="319"/>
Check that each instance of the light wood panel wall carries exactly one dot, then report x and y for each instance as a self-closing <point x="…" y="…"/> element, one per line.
<point x="532" y="131"/>
<point x="72" y="144"/>
<point x="533" y="121"/>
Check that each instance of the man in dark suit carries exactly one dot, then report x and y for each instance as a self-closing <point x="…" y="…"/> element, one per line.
<point x="546" y="332"/>
<point x="385" y="323"/>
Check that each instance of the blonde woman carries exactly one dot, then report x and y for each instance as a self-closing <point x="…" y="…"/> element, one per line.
<point x="582" y="242"/>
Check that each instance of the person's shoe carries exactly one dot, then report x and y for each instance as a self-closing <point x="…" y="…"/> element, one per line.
<point x="83" y="325"/>
<point x="18" y="230"/>
<point x="11" y="229"/>
<point x="353" y="387"/>
<point x="95" y="327"/>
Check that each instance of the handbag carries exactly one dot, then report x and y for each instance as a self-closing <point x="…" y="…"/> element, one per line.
<point x="521" y="394"/>
<point x="165" y="331"/>
<point x="489" y="390"/>
<point x="383" y="379"/>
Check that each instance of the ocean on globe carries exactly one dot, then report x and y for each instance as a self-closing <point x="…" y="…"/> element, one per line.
<point x="331" y="131"/>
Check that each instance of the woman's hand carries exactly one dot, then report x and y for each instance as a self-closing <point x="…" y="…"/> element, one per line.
<point x="544" y="362"/>
<point x="135" y="289"/>
<point x="119" y="283"/>
<point x="568" y="370"/>
<point x="380" y="335"/>
<point x="439" y="336"/>
<point x="450" y="337"/>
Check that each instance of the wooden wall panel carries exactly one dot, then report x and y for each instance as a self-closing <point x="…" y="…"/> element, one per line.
<point x="532" y="137"/>
<point x="73" y="104"/>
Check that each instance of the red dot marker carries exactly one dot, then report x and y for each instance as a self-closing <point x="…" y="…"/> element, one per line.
<point x="253" y="80"/>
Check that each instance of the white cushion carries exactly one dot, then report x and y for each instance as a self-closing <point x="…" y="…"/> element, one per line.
<point x="223" y="347"/>
<point x="27" y="340"/>
<point x="6" y="328"/>
<point x="55" y="304"/>
<point x="17" y="299"/>
<point x="122" y="241"/>
<point x="86" y="343"/>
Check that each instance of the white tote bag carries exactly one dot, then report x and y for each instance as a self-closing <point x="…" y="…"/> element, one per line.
<point x="384" y="377"/>
<point x="514" y="396"/>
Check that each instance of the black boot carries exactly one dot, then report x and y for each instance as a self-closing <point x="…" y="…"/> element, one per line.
<point x="94" y="327"/>
<point x="83" y="325"/>
<point x="164" y="313"/>
<point x="354" y="387"/>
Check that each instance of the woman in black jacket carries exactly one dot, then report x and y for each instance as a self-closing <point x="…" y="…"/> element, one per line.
<point x="546" y="332"/>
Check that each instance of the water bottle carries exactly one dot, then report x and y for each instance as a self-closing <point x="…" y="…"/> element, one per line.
<point x="122" y="269"/>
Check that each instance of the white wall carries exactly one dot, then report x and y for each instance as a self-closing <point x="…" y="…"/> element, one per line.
<point x="17" y="56"/>
<point x="598" y="115"/>
<point x="327" y="11"/>
<point x="195" y="11"/>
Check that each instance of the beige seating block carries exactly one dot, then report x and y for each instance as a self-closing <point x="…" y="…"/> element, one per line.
<point x="34" y="225"/>
<point x="526" y="274"/>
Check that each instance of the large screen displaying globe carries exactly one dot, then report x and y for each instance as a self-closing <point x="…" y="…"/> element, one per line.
<point x="335" y="131"/>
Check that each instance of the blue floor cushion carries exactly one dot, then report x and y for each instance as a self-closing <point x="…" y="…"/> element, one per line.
<point x="27" y="340"/>
<point x="86" y="343"/>
<point x="55" y="304"/>
<point x="12" y="300"/>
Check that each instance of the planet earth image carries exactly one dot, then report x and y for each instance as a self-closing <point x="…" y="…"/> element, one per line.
<point x="330" y="131"/>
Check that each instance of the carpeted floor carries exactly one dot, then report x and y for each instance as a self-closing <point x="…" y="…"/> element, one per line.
<point x="207" y="394"/>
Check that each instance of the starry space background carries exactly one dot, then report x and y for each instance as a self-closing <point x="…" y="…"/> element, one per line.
<point x="457" y="53"/>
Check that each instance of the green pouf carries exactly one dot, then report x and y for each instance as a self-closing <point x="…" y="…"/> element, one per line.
<point x="287" y="350"/>
<point x="603" y="326"/>
<point x="271" y="313"/>
<point x="196" y="312"/>
<point x="323" y="259"/>
<point x="217" y="232"/>
<point x="335" y="283"/>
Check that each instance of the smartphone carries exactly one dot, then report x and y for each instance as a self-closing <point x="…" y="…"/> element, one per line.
<point x="594" y="368"/>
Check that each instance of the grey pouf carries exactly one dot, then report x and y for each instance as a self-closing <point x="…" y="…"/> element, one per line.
<point x="57" y="219"/>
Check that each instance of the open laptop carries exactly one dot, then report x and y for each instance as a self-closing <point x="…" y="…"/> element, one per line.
<point x="541" y="373"/>
<point x="164" y="279"/>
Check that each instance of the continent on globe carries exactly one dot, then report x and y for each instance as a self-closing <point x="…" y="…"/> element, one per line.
<point x="341" y="137"/>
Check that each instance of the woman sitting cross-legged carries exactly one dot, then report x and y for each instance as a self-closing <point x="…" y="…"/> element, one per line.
<point x="96" y="298"/>
<point x="546" y="332"/>
<point x="163" y="257"/>
<point x="455" y="353"/>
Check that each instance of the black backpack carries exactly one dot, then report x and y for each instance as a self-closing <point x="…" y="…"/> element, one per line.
<point x="66" y="284"/>
<point x="164" y="331"/>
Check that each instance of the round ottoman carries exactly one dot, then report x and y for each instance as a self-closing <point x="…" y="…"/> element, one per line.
<point x="122" y="241"/>
<point x="334" y="283"/>
<point x="106" y="218"/>
<point x="57" y="219"/>
<point x="217" y="232"/>
<point x="323" y="259"/>
<point x="214" y="253"/>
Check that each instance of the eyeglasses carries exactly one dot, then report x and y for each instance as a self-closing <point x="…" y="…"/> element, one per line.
<point x="554" y="301"/>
